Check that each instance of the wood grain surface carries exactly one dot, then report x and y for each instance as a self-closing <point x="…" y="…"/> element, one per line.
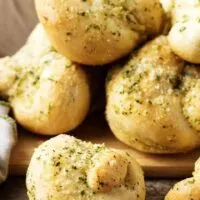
<point x="95" y="129"/>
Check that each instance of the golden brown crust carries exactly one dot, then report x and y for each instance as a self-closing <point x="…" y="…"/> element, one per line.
<point x="48" y="93"/>
<point x="149" y="101"/>
<point x="68" y="168"/>
<point x="99" y="32"/>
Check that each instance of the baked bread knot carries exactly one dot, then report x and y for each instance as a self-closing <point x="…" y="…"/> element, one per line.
<point x="97" y="32"/>
<point x="48" y="93"/>
<point x="153" y="100"/>
<point x="68" y="168"/>
<point x="184" y="36"/>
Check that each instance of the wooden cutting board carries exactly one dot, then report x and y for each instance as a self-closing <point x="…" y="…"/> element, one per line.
<point x="95" y="129"/>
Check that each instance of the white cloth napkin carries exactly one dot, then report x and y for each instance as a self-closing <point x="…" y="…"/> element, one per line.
<point x="8" y="138"/>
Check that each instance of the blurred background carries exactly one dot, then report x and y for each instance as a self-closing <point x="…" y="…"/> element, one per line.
<point x="17" y="19"/>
